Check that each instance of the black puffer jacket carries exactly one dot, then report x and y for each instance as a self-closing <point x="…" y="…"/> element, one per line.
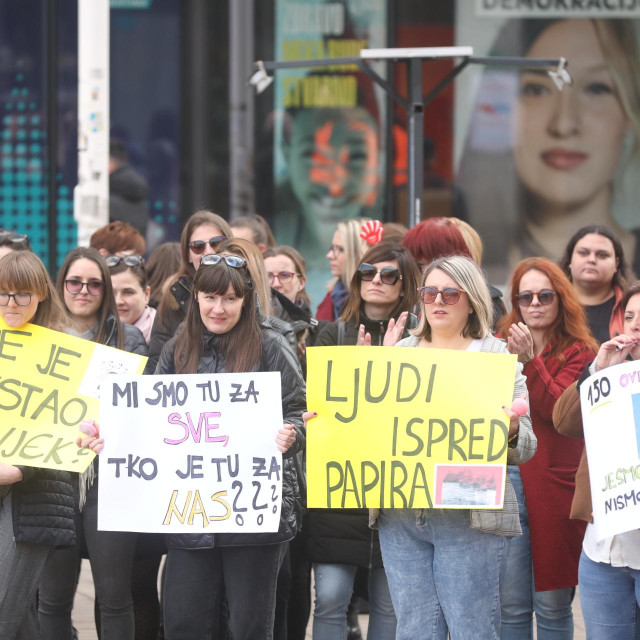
<point x="171" y="313"/>
<point x="275" y="356"/>
<point x="42" y="508"/>
<point x="342" y="536"/>
<point x="134" y="341"/>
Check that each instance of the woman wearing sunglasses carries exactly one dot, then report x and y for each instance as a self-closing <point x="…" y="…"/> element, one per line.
<point x="131" y="292"/>
<point x="383" y="288"/>
<point x="84" y="283"/>
<point x="201" y="235"/>
<point x="223" y="332"/>
<point x="444" y="565"/>
<point x="547" y="329"/>
<point x="36" y="505"/>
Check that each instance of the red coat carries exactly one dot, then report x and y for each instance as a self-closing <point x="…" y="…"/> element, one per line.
<point x="549" y="477"/>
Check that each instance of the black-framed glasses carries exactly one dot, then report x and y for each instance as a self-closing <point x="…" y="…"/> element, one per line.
<point x="388" y="275"/>
<point x="545" y="297"/>
<point x="233" y="261"/>
<point x="22" y="299"/>
<point x="283" y="276"/>
<point x="450" y="295"/>
<point x="130" y="261"/>
<point x="94" y="287"/>
<point x="198" y="246"/>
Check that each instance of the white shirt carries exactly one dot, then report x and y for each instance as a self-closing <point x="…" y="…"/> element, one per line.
<point x="622" y="550"/>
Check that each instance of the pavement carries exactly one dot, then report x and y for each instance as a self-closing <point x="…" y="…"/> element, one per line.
<point x="83" y="611"/>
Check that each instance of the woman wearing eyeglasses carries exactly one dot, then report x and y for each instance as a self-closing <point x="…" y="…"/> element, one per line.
<point x="131" y="292"/>
<point x="84" y="283"/>
<point x="223" y="333"/>
<point x="445" y="565"/>
<point x="381" y="292"/>
<point x="201" y="235"/>
<point x="547" y="329"/>
<point x="36" y="505"/>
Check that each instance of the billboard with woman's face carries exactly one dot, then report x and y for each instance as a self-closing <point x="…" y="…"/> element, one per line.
<point x="535" y="162"/>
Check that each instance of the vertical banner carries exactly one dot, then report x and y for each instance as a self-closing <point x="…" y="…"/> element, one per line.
<point x="191" y="453"/>
<point x="537" y="163"/>
<point x="329" y="156"/>
<point x="610" y="402"/>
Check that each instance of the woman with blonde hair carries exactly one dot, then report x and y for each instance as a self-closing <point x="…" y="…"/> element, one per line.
<point x="345" y="252"/>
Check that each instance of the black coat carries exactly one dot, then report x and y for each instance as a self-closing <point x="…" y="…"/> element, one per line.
<point x="342" y="536"/>
<point x="42" y="507"/>
<point x="275" y="356"/>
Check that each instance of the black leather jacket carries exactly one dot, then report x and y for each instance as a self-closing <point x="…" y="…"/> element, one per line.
<point x="275" y="356"/>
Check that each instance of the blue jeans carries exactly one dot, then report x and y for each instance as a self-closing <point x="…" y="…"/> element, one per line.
<point x="519" y="599"/>
<point x="334" y="586"/>
<point x="610" y="597"/>
<point x="444" y="576"/>
<point x="196" y="580"/>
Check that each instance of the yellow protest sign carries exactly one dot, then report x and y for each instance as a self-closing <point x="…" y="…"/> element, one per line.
<point x="49" y="383"/>
<point x="407" y="428"/>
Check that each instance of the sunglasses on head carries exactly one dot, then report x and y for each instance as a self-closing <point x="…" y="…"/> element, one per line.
<point x="388" y="275"/>
<point x="12" y="236"/>
<point x="198" y="246"/>
<point x="215" y="258"/>
<point x="450" y="295"/>
<point x="130" y="261"/>
<point x="545" y="297"/>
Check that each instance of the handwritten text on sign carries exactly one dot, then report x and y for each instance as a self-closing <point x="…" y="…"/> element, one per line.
<point x="191" y="453"/>
<point x="407" y="428"/>
<point x="610" y="401"/>
<point x="49" y="383"/>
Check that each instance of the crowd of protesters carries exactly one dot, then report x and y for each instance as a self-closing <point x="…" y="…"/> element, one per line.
<point x="226" y="298"/>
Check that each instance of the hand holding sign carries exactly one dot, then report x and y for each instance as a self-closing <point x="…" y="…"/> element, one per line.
<point x="93" y="441"/>
<point x="286" y="437"/>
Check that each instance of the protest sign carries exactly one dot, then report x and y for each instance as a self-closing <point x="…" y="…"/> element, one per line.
<point x="191" y="453"/>
<point x="407" y="428"/>
<point x="49" y="383"/>
<point x="610" y="401"/>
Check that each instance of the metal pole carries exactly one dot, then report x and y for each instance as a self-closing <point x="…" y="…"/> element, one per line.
<point x="51" y="92"/>
<point x="241" y="103"/>
<point x="416" y="136"/>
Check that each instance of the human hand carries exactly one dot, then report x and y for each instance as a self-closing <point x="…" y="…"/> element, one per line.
<point x="286" y="437"/>
<point x="395" y="330"/>
<point x="9" y="474"/>
<point x="615" y="351"/>
<point x="93" y="440"/>
<point x="308" y="415"/>
<point x="364" y="339"/>
<point x="302" y="349"/>
<point x="514" y="421"/>
<point x="520" y="342"/>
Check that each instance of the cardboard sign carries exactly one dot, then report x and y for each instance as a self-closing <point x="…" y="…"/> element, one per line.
<point x="191" y="453"/>
<point x="407" y="428"/>
<point x="610" y="401"/>
<point x="49" y="383"/>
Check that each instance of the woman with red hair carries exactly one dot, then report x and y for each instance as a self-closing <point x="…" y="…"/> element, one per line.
<point x="548" y="331"/>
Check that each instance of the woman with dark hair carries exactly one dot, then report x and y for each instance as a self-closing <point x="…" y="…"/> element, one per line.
<point x="201" y="235"/>
<point x="255" y="229"/>
<point x="84" y="283"/>
<point x="222" y="333"/>
<point x="383" y="290"/>
<point x="594" y="262"/>
<point x="36" y="505"/>
<point x="547" y="329"/>
<point x="566" y="158"/>
<point x="609" y="571"/>
<point x="163" y="262"/>
<point x="12" y="241"/>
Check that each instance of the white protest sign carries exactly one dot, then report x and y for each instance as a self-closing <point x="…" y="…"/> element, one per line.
<point x="610" y="402"/>
<point x="192" y="453"/>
